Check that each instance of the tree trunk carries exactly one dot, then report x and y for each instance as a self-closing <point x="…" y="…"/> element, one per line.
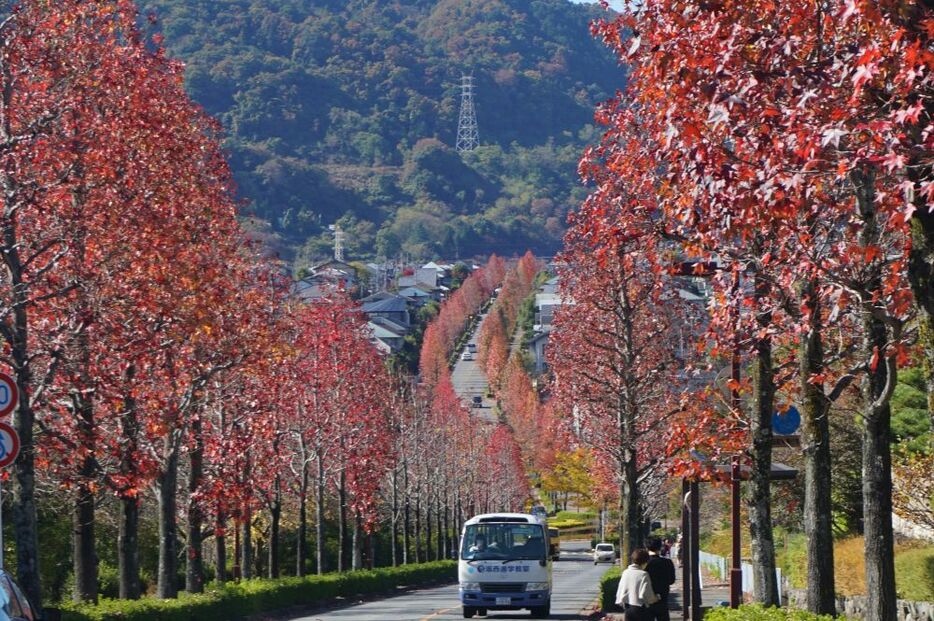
<point x="84" y="555"/>
<point x="194" y="567"/>
<point x="815" y="438"/>
<point x="246" y="545"/>
<point x="128" y="548"/>
<point x="877" y="432"/>
<point x="877" y="485"/>
<point x="760" y="501"/>
<point x="319" y="516"/>
<point x="220" y="548"/>
<point x="921" y="257"/>
<point x="301" y="547"/>
<point x="428" y="528"/>
<point x="921" y="277"/>
<point x="128" y="537"/>
<point x="342" y="522"/>
<point x="16" y="335"/>
<point x="275" y="514"/>
<point x="406" y="516"/>
<point x="394" y="520"/>
<point x="418" y="527"/>
<point x="448" y="539"/>
<point x="630" y="515"/>
<point x="25" y="522"/>
<point x="168" y="527"/>
<point x="439" y="527"/>
<point x="356" y="561"/>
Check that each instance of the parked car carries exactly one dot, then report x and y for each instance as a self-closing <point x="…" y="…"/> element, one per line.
<point x="478" y="401"/>
<point x="604" y="553"/>
<point x="13" y="604"/>
<point x="466" y="355"/>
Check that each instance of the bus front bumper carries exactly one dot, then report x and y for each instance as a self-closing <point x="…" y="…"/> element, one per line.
<point x="504" y="601"/>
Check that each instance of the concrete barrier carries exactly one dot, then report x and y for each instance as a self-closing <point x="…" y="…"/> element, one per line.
<point x="854" y="606"/>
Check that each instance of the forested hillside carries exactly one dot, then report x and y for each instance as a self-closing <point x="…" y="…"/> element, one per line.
<point x="346" y="110"/>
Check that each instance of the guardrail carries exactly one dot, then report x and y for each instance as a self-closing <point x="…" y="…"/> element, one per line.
<point x="720" y="567"/>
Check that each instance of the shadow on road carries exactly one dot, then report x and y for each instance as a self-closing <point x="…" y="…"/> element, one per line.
<point x="554" y="616"/>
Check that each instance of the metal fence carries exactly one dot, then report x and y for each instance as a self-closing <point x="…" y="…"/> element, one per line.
<point x="720" y="567"/>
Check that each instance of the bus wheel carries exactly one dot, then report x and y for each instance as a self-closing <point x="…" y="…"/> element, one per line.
<point x="469" y="612"/>
<point x="541" y="612"/>
<point x="481" y="612"/>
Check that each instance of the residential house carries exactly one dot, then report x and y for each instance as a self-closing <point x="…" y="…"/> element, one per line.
<point x="420" y="295"/>
<point x="395" y="309"/>
<point x="387" y="336"/>
<point x="325" y="278"/>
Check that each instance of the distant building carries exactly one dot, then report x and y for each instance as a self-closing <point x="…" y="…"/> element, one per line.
<point x="420" y="295"/>
<point x="325" y="279"/>
<point x="386" y="335"/>
<point x="395" y="309"/>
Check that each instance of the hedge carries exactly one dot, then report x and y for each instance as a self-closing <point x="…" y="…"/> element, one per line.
<point x="238" y="600"/>
<point x="608" y="585"/>
<point x="756" y="612"/>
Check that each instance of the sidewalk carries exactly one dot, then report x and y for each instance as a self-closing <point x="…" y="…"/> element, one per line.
<point x="712" y="595"/>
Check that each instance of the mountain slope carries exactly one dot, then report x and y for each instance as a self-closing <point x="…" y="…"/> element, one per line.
<point x="311" y="89"/>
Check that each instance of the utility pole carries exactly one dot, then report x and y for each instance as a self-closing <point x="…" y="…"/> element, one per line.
<point x="468" y="136"/>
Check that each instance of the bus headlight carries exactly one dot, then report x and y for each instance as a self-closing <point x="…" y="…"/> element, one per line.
<point x="536" y="586"/>
<point x="470" y="586"/>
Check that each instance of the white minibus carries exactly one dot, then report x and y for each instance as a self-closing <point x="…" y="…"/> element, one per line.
<point x="504" y="564"/>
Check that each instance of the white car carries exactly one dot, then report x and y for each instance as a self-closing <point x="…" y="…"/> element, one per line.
<point x="604" y="553"/>
<point x="466" y="356"/>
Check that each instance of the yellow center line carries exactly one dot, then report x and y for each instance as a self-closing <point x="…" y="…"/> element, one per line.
<point x="435" y="614"/>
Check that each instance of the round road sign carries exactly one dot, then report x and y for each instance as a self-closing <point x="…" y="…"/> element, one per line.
<point x="9" y="445"/>
<point x="787" y="422"/>
<point x="9" y="395"/>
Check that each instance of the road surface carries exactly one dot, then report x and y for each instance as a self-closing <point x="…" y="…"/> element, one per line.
<point x="469" y="381"/>
<point x="576" y="580"/>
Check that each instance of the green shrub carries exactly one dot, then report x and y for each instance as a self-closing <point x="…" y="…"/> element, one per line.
<point x="755" y="612"/>
<point x="608" y="585"/>
<point x="585" y="516"/>
<point x="238" y="600"/>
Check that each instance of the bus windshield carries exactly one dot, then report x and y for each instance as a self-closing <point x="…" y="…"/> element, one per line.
<point x="499" y="541"/>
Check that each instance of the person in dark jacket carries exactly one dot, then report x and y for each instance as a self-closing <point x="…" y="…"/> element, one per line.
<point x="662" y="574"/>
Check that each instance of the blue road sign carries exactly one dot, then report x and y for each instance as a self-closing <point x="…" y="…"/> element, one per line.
<point x="787" y="422"/>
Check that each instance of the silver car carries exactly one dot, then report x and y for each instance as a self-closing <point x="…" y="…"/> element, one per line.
<point x="604" y="553"/>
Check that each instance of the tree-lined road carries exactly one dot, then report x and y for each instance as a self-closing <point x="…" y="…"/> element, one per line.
<point x="469" y="381"/>
<point x="576" y="580"/>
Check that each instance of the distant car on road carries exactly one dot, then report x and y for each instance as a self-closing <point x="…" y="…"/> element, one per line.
<point x="472" y="348"/>
<point x="478" y="401"/>
<point x="604" y="553"/>
<point x="466" y="356"/>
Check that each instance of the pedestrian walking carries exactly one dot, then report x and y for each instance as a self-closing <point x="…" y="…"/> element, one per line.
<point x="635" y="593"/>
<point x="662" y="575"/>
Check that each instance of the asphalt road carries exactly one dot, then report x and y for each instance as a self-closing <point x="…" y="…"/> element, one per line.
<point x="575" y="588"/>
<point x="469" y="381"/>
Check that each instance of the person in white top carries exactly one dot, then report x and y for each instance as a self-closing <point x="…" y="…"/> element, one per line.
<point x="635" y="593"/>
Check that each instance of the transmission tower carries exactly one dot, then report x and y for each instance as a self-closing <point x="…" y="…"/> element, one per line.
<point x="338" y="243"/>
<point x="468" y="136"/>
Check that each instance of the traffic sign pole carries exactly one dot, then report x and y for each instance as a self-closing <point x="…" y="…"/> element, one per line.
<point x="9" y="440"/>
